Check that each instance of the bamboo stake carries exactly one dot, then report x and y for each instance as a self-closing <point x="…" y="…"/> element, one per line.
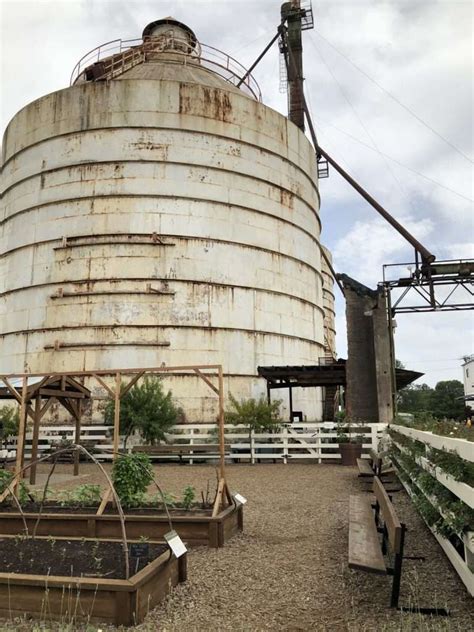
<point x="20" y="447"/>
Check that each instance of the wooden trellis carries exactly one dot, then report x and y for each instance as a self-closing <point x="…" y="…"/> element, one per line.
<point x="68" y="389"/>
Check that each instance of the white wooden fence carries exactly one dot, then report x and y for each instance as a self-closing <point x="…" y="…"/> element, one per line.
<point x="291" y="442"/>
<point x="464" y="449"/>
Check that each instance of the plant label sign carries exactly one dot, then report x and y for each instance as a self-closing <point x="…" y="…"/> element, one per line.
<point x="140" y="549"/>
<point x="239" y="499"/>
<point x="175" y="543"/>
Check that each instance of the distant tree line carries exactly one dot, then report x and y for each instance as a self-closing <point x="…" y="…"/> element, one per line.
<point x="445" y="400"/>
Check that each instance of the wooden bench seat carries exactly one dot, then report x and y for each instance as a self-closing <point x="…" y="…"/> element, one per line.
<point x="364" y="546"/>
<point x="368" y="468"/>
<point x="365" y="468"/>
<point x="374" y="529"/>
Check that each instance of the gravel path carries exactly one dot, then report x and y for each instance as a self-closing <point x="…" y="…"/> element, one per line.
<point x="288" y="571"/>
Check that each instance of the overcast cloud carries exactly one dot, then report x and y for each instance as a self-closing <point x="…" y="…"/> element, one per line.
<point x="419" y="51"/>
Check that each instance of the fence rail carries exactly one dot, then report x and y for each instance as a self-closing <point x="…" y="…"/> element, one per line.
<point x="462" y="559"/>
<point x="290" y="442"/>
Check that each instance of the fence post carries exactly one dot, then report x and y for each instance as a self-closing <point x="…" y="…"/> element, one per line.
<point x="374" y="440"/>
<point x="285" y="444"/>
<point x="252" y="447"/>
<point x="318" y="439"/>
<point x="191" y="442"/>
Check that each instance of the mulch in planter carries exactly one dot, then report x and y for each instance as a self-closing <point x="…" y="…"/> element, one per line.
<point x="72" y="558"/>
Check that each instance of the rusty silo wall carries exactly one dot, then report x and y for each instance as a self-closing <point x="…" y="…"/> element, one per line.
<point x="160" y="221"/>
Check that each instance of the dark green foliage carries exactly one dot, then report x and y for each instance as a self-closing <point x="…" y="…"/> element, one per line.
<point x="444" y="401"/>
<point x="257" y="414"/>
<point x="454" y="465"/>
<point x="81" y="496"/>
<point x="189" y="495"/>
<point x="447" y="400"/>
<point x="146" y="408"/>
<point x="131" y="475"/>
<point x="6" y="478"/>
<point x="9" y="418"/>
<point x="441" y="508"/>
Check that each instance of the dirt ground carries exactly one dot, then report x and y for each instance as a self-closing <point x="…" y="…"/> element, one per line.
<point x="288" y="570"/>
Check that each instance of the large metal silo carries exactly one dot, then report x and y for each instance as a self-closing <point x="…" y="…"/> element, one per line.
<point x="154" y="212"/>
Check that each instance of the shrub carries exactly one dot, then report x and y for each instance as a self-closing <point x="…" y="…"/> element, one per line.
<point x="146" y="408"/>
<point x="131" y="475"/>
<point x="257" y="414"/>
<point x="9" y="418"/>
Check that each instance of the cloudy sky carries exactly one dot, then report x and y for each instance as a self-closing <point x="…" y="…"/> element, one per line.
<point x="412" y="150"/>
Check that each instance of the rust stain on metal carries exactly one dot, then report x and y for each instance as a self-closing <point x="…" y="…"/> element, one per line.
<point x="214" y="103"/>
<point x="287" y="198"/>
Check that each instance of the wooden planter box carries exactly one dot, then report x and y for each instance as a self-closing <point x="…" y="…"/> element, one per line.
<point x="98" y="600"/>
<point x="194" y="530"/>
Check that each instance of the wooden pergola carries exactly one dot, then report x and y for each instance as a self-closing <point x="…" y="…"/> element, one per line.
<point x="35" y="394"/>
<point x="68" y="389"/>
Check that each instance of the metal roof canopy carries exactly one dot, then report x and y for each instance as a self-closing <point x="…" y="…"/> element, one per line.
<point x="333" y="374"/>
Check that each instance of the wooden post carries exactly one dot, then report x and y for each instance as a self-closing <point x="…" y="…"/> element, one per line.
<point x="221" y="423"/>
<point x="290" y="397"/>
<point x="77" y="436"/>
<point x="34" y="445"/>
<point x="117" y="415"/>
<point x="20" y="446"/>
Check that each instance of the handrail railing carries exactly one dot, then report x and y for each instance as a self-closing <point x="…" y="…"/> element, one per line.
<point x="120" y="55"/>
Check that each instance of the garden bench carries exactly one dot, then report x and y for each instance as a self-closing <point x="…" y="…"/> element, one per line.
<point x="376" y="533"/>
<point x="194" y="451"/>
<point x="370" y="467"/>
<point x="366" y="548"/>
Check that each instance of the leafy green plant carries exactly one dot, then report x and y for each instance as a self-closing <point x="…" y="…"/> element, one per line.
<point x="257" y="414"/>
<point x="147" y="408"/>
<point x="87" y="495"/>
<point x="131" y="475"/>
<point x="9" y="418"/>
<point x="451" y="463"/>
<point x="23" y="493"/>
<point x="345" y="430"/>
<point x="168" y="499"/>
<point x="189" y="495"/>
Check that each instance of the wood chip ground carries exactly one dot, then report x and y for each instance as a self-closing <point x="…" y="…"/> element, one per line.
<point x="289" y="571"/>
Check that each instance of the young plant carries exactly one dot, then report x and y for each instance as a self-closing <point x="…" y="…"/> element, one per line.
<point x="87" y="495"/>
<point x="147" y="408"/>
<point x="189" y="495"/>
<point x="131" y="475"/>
<point x="165" y="499"/>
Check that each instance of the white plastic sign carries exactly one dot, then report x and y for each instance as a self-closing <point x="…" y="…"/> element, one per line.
<point x="239" y="499"/>
<point x="175" y="543"/>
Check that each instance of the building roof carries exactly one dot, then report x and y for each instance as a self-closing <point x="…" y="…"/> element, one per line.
<point x="331" y="374"/>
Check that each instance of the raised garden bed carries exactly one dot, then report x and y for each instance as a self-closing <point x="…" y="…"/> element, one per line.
<point x="195" y="527"/>
<point x="73" y="579"/>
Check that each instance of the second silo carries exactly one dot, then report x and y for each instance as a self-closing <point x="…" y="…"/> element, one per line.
<point x="153" y="212"/>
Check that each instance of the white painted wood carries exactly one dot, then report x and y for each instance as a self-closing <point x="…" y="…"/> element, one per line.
<point x="465" y="449"/>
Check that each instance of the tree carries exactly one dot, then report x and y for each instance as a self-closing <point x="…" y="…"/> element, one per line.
<point x="447" y="400"/>
<point x="9" y="418"/>
<point x="259" y="415"/>
<point x="145" y="408"/>
<point x="414" y="398"/>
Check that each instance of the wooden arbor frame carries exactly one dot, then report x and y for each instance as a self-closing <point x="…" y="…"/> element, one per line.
<point x="70" y="392"/>
<point x="65" y="389"/>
